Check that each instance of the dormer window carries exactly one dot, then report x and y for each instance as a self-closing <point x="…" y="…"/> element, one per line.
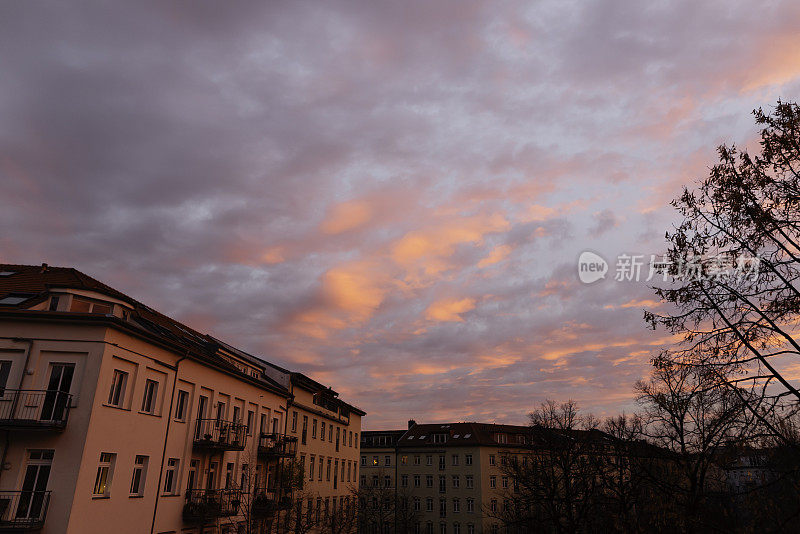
<point x="439" y="438"/>
<point x="81" y="305"/>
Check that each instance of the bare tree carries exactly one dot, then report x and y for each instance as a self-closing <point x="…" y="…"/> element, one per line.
<point x="696" y="418"/>
<point x="744" y="218"/>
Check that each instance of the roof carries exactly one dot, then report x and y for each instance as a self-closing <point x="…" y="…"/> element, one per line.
<point x="464" y="434"/>
<point x="37" y="281"/>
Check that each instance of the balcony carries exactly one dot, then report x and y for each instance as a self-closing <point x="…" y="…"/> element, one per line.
<point x="266" y="504"/>
<point x="22" y="511"/>
<point x="277" y="445"/>
<point x="206" y="505"/>
<point x="219" y="435"/>
<point x="34" y="409"/>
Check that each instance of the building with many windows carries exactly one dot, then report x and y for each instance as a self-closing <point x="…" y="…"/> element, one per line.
<point x="450" y="474"/>
<point x="116" y="417"/>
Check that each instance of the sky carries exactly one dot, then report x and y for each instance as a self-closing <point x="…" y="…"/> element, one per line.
<point x="390" y="197"/>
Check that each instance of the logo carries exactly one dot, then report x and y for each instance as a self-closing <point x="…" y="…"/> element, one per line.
<point x="591" y="267"/>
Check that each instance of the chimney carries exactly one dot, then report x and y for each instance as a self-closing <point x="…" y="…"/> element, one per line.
<point x="44" y="267"/>
<point x="411" y="423"/>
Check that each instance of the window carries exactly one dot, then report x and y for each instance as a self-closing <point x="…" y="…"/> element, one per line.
<point x="404" y="460"/>
<point x="417" y="481"/>
<point x="139" y="474"/>
<point x="311" y="467"/>
<point x="330" y="433"/>
<point x="442" y="463"/>
<point x="105" y="472"/>
<point x="456" y="505"/>
<point x="171" y="476"/>
<point x="387" y="460"/>
<point x="470" y="529"/>
<point x="387" y="481"/>
<point x="116" y="397"/>
<point x="5" y="370"/>
<point x="429" y="504"/>
<point x="470" y="505"/>
<point x="322" y="430"/>
<point x="237" y="414"/>
<point x="314" y="429"/>
<point x="150" y="395"/>
<point x="442" y="507"/>
<point x="456" y="527"/>
<point x="294" y="421"/>
<point x="456" y="481"/>
<point x="429" y="460"/>
<point x="416" y="459"/>
<point x="304" y="434"/>
<point x="455" y="459"/>
<point x="467" y="459"/>
<point x="192" y="481"/>
<point x="417" y="504"/>
<point x="54" y="303"/>
<point x="180" y="405"/>
<point x="251" y="415"/>
<point x="403" y="481"/>
<point x="470" y="482"/>
<point x="504" y="482"/>
<point x="364" y="480"/>
<point x="439" y="438"/>
<point x="492" y="481"/>
<point x="229" y="475"/>
<point x="491" y="459"/>
<point x="363" y="461"/>
<point x="328" y="472"/>
<point x="375" y="461"/>
<point x="442" y="483"/>
<point x="87" y="306"/>
<point x="428" y="481"/>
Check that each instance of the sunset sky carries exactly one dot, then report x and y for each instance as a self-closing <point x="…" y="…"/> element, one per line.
<point x="389" y="197"/>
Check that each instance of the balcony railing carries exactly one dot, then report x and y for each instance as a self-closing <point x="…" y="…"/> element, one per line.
<point x="32" y="408"/>
<point x="204" y="505"/>
<point x="23" y="510"/>
<point x="266" y="504"/>
<point x="277" y="445"/>
<point x="219" y="435"/>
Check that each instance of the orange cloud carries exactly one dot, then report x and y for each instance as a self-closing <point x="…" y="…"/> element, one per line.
<point x="350" y="294"/>
<point x="425" y="253"/>
<point x="498" y="254"/>
<point x="449" y="310"/>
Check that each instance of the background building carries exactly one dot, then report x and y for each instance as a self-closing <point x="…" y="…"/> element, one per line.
<point x="451" y="472"/>
<point x="114" y="414"/>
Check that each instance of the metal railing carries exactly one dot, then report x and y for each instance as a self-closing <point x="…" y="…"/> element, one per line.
<point x="34" y="408"/>
<point x="23" y="510"/>
<point x="278" y="445"/>
<point x="202" y="504"/>
<point x="219" y="434"/>
<point x="267" y="503"/>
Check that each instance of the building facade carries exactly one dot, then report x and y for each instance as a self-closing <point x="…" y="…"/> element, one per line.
<point x="450" y="475"/>
<point x="116" y="417"/>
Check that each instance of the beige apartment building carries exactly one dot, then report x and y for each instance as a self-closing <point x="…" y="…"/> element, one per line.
<point x="450" y="474"/>
<point x="115" y="418"/>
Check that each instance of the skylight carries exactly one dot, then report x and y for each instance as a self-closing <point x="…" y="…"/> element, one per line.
<point x="467" y="435"/>
<point x="13" y="300"/>
<point x="7" y="273"/>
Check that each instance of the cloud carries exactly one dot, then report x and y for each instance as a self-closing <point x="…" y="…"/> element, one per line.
<point x="388" y="197"/>
<point x="449" y="309"/>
